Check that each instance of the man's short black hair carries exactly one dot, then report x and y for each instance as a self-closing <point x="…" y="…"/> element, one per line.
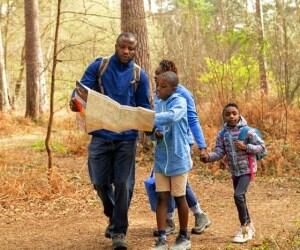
<point x="170" y="77"/>
<point x="128" y="35"/>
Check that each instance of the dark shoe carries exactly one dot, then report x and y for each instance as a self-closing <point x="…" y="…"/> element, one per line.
<point x="169" y="229"/>
<point x="108" y="231"/>
<point x="119" y="242"/>
<point x="201" y="222"/>
<point x="160" y="244"/>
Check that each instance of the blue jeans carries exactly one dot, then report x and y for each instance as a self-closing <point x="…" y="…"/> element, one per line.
<point x="111" y="167"/>
<point x="190" y="198"/>
<point x="240" y="185"/>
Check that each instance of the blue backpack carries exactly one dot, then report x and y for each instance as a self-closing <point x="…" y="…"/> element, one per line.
<point x="243" y="135"/>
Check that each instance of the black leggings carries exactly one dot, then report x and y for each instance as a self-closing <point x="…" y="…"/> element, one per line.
<point x="240" y="185"/>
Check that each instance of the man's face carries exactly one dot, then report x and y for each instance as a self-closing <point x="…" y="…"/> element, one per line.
<point x="231" y="116"/>
<point x="164" y="89"/>
<point x="125" y="49"/>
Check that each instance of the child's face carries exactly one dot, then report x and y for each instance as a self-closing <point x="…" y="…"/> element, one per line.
<point x="231" y="116"/>
<point x="164" y="89"/>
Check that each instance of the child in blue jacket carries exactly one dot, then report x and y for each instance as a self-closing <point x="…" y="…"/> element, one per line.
<point x="172" y="157"/>
<point x="241" y="157"/>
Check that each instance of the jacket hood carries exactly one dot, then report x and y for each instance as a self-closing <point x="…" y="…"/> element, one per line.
<point x="171" y="97"/>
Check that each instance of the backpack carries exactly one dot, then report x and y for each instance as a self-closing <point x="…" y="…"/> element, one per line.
<point x="243" y="135"/>
<point x="103" y="66"/>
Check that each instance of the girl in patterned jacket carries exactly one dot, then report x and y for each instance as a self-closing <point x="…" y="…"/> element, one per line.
<point x="240" y="155"/>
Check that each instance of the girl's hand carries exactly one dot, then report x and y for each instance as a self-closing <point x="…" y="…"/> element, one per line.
<point x="240" y="145"/>
<point x="204" y="156"/>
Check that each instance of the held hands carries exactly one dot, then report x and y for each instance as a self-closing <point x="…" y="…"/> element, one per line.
<point x="204" y="156"/>
<point x="240" y="145"/>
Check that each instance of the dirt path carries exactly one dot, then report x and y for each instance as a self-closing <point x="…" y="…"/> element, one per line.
<point x="79" y="224"/>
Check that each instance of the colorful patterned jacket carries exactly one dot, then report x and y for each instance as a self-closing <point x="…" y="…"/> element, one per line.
<point x="240" y="162"/>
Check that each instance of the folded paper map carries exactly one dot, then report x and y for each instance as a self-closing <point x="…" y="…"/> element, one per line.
<point x="99" y="111"/>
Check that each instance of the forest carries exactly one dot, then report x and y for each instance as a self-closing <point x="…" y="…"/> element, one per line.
<point x="241" y="51"/>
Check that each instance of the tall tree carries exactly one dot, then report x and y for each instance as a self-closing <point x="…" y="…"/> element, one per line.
<point x="4" y="100"/>
<point x="53" y="74"/>
<point x="261" y="54"/>
<point x="34" y="61"/>
<point x="133" y="20"/>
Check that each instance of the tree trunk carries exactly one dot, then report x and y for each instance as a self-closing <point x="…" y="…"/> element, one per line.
<point x="133" y="20"/>
<point x="42" y="82"/>
<point x="54" y="62"/>
<point x="261" y="46"/>
<point x="20" y="79"/>
<point x="283" y="38"/>
<point x="33" y="59"/>
<point x="4" y="100"/>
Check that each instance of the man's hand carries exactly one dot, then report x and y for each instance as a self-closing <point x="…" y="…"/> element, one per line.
<point x="240" y="145"/>
<point x="73" y="105"/>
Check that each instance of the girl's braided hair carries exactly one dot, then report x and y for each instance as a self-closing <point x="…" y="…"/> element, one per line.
<point x="167" y="65"/>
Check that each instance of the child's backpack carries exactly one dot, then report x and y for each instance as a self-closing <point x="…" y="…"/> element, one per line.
<point x="103" y="66"/>
<point x="243" y="134"/>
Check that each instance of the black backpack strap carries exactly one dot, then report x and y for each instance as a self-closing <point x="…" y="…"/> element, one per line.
<point x="136" y="76"/>
<point x="102" y="67"/>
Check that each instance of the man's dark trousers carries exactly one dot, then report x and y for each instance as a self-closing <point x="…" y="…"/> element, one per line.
<point x="111" y="166"/>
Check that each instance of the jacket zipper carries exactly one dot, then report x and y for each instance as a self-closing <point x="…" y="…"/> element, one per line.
<point x="233" y="151"/>
<point x="164" y="139"/>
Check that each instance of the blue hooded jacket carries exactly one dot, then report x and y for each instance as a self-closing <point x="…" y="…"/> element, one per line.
<point x="195" y="129"/>
<point x="172" y="153"/>
<point x="116" y="82"/>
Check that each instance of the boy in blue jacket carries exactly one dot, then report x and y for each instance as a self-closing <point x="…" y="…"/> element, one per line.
<point x="196" y="135"/>
<point x="172" y="158"/>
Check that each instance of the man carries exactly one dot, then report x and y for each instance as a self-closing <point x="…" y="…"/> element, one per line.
<point x="111" y="156"/>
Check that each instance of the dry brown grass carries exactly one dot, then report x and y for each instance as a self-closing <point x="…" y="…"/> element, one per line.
<point x="24" y="166"/>
<point x="23" y="161"/>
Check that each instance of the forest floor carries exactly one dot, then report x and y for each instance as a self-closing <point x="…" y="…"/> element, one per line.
<point x="68" y="215"/>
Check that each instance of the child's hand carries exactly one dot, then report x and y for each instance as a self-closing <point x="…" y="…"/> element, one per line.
<point x="158" y="135"/>
<point x="240" y="145"/>
<point x="204" y="156"/>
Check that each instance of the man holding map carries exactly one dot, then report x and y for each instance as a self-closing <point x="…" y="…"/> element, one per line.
<point x="111" y="155"/>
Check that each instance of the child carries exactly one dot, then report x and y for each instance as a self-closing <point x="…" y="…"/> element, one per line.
<point x="242" y="163"/>
<point x="172" y="158"/>
<point x="202" y="220"/>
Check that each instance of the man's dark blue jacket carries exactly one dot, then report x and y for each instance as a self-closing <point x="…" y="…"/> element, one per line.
<point x="116" y="82"/>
